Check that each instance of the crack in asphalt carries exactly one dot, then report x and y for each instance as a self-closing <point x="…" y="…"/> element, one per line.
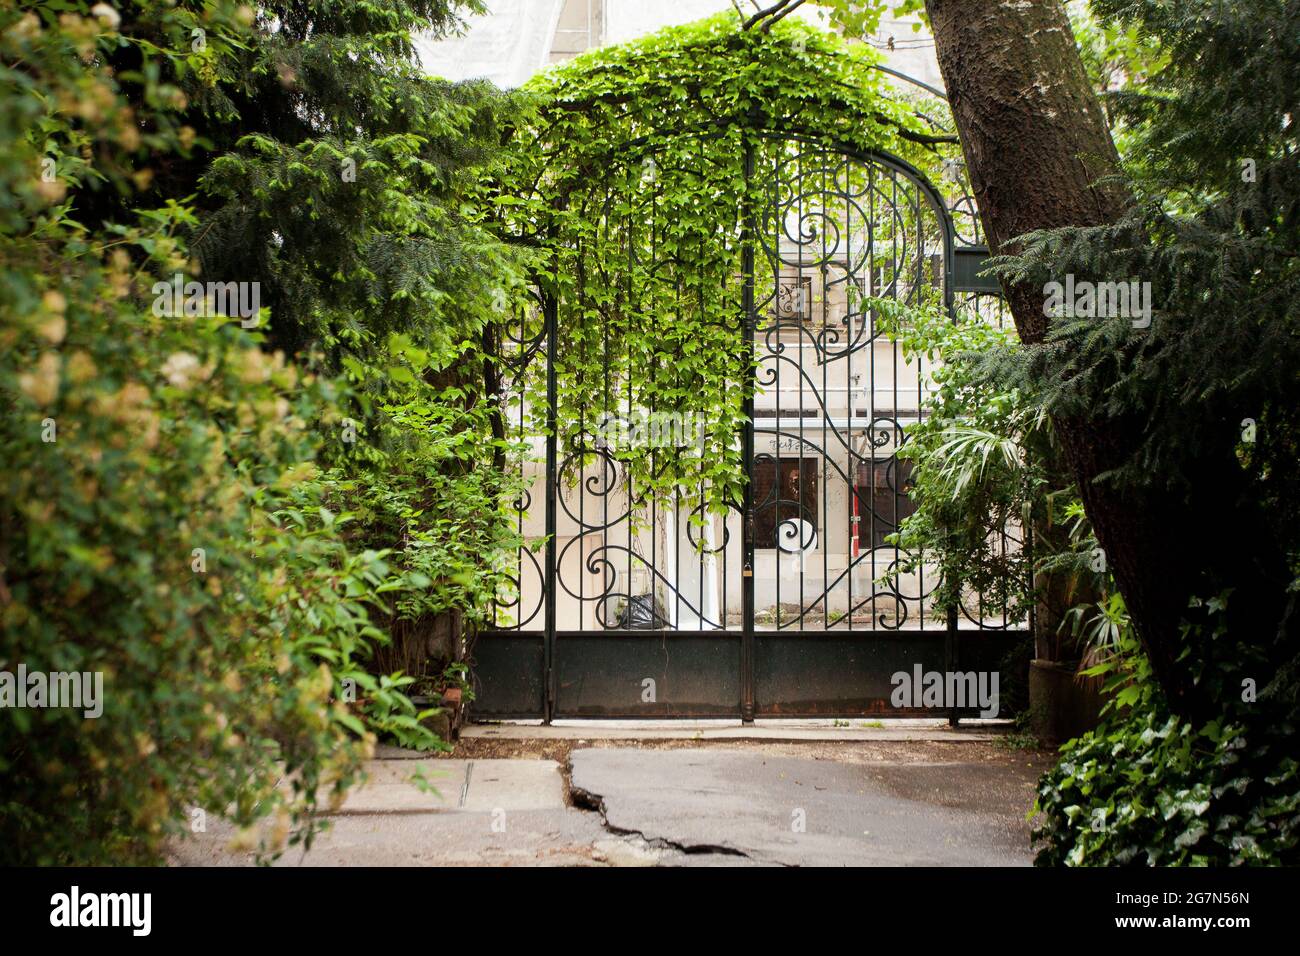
<point x="586" y="800"/>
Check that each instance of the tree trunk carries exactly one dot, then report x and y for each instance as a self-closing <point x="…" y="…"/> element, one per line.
<point x="1036" y="143"/>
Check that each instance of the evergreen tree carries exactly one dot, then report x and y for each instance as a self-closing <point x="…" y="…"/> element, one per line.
<point x="1214" y="227"/>
<point x="1181" y="433"/>
<point x="344" y="180"/>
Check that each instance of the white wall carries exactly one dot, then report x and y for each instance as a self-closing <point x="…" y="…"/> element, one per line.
<point x="506" y="46"/>
<point x="629" y="19"/>
<point x="513" y="41"/>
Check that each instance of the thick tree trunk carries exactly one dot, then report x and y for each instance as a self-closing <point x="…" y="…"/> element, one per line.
<point x="1036" y="144"/>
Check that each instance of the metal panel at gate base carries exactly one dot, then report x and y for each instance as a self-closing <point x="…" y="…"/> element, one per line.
<point x="776" y="586"/>
<point x="509" y="676"/>
<point x="647" y="674"/>
<point x="842" y="675"/>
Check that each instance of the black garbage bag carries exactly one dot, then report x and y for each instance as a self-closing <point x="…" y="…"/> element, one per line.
<point x="638" y="614"/>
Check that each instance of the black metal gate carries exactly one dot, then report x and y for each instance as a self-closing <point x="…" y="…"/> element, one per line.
<point x="795" y="601"/>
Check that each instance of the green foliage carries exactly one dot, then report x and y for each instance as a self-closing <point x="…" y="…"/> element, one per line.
<point x="860" y="18"/>
<point x="978" y="457"/>
<point x="425" y="483"/>
<point x="986" y="475"/>
<point x="181" y="509"/>
<point x="1211" y="387"/>
<point x="345" y="182"/>
<point x="152" y="466"/>
<point x="348" y="184"/>
<point x="631" y="174"/>
<point x="1146" y="788"/>
<point x="1214" y="234"/>
<point x="1149" y="788"/>
<point x="1116" y="55"/>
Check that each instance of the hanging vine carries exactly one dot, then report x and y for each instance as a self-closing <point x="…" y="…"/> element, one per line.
<point x="631" y="174"/>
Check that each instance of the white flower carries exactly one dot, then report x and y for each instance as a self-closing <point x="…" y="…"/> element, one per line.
<point x="106" y="15"/>
<point x="181" y="369"/>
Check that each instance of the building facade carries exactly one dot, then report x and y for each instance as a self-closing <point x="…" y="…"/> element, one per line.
<point x="517" y="38"/>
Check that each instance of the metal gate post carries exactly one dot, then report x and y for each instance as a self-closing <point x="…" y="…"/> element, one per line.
<point x="951" y="657"/>
<point x="747" y="704"/>
<point x="951" y="648"/>
<point x="548" y="655"/>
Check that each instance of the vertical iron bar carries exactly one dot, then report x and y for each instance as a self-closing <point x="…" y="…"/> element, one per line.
<point x="747" y="538"/>
<point x="552" y="415"/>
<point x="949" y="304"/>
<point x="951" y="651"/>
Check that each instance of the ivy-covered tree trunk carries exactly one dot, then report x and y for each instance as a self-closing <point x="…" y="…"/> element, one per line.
<point x="1040" y="156"/>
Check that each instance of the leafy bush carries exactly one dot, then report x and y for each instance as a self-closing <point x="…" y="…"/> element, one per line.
<point x="1151" y="789"/>
<point x="145" y="459"/>
<point x="426" y="486"/>
<point x="1148" y="788"/>
<point x="347" y="182"/>
<point x="975" y="476"/>
<point x="163" y="518"/>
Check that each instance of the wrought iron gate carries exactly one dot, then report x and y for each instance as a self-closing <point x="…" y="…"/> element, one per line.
<point x="796" y="601"/>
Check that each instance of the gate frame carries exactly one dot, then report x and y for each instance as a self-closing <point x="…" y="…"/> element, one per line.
<point x="540" y="695"/>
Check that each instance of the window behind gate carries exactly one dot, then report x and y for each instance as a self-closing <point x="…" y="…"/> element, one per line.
<point x="884" y="487"/>
<point x="795" y="497"/>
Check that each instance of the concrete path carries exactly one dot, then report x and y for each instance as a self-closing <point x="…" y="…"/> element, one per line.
<point x="414" y="811"/>
<point x="671" y="803"/>
<point x="425" y="786"/>
<point x="798" y="812"/>
<point x="865" y="731"/>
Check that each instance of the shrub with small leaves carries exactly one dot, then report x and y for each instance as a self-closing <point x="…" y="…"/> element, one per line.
<point x="1147" y="788"/>
<point x="162" y="521"/>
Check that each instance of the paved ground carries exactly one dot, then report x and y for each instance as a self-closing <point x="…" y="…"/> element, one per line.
<point x="794" y="811"/>
<point x="679" y="801"/>
<point x="498" y="812"/>
<point x="763" y="730"/>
